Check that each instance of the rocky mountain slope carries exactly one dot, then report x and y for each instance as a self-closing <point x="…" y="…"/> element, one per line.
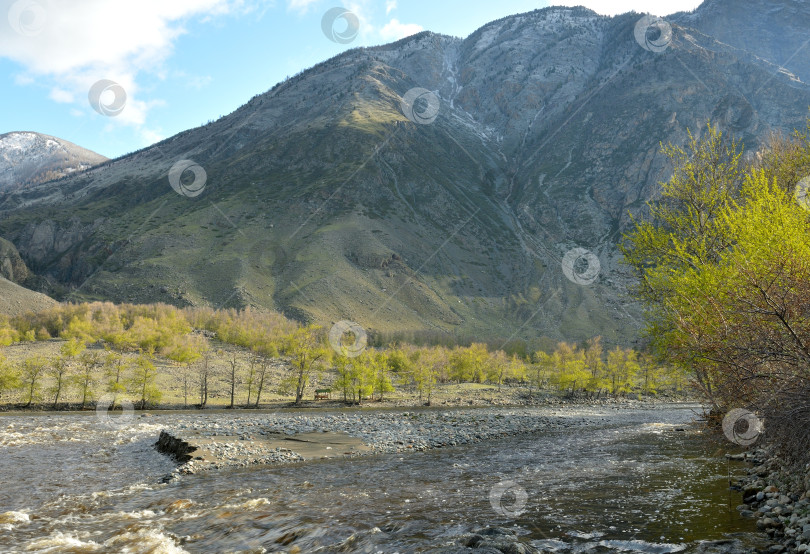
<point x="32" y="158"/>
<point x="16" y="300"/>
<point x="486" y="203"/>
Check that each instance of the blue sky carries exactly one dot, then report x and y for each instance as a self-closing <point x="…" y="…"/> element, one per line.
<point x="180" y="63"/>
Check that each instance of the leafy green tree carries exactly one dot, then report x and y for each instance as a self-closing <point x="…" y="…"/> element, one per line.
<point x="685" y="233"/>
<point x="357" y="376"/>
<point x="144" y="379"/>
<point x="115" y="368"/>
<point x="345" y="376"/>
<point x="205" y="374"/>
<point x="622" y="368"/>
<point x="517" y="369"/>
<point x="186" y="350"/>
<point x="431" y="362"/>
<point x="250" y="380"/>
<point x="595" y="365"/>
<point x="500" y="367"/>
<point x="541" y="369"/>
<point x="86" y="378"/>
<point x="8" y="335"/>
<point x="233" y="375"/>
<point x="10" y="376"/>
<point x="469" y="364"/>
<point x="60" y="373"/>
<point x="266" y="349"/>
<point x="400" y="364"/>
<point x="79" y="330"/>
<point x="650" y="374"/>
<point x="496" y="367"/>
<point x="62" y="366"/>
<point x="380" y="366"/>
<point x="571" y="373"/>
<point x="307" y="351"/>
<point x="33" y="369"/>
<point x="363" y="375"/>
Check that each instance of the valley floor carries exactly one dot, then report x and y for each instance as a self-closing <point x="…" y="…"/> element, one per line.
<point x="179" y="387"/>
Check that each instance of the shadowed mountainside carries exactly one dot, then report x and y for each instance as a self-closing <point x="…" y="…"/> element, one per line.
<point x="323" y="200"/>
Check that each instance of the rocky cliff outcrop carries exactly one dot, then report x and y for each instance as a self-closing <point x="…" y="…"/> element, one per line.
<point x="12" y="266"/>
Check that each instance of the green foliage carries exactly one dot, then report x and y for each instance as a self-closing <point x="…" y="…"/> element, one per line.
<point x="686" y="233"/>
<point x="469" y="364"/>
<point x="115" y="374"/>
<point x="86" y="378"/>
<point x="60" y="371"/>
<point x="356" y="376"/>
<point x="571" y="373"/>
<point x="144" y="380"/>
<point x="73" y="347"/>
<point x="308" y="353"/>
<point x="622" y="369"/>
<point x="132" y="335"/>
<point x="10" y="376"/>
<point x="428" y="365"/>
<point x="32" y="370"/>
<point x="381" y="373"/>
<point x="724" y="263"/>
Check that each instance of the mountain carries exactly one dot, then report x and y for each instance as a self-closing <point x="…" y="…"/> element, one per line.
<point x="469" y="187"/>
<point x="12" y="266"/>
<point x="32" y="158"/>
<point x="16" y="300"/>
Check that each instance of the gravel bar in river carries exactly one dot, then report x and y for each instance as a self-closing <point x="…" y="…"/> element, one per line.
<point x="203" y="443"/>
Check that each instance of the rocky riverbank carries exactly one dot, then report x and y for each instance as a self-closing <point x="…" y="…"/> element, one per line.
<point x="203" y="443"/>
<point x="779" y="498"/>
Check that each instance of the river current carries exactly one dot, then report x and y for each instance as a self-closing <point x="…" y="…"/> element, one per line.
<point x="644" y="480"/>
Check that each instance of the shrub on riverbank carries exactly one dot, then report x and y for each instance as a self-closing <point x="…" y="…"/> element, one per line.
<point x="723" y="263"/>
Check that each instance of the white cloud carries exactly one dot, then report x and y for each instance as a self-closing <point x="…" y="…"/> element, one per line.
<point x="615" y="7"/>
<point x="151" y="136"/>
<point x="195" y="82"/>
<point x="68" y="45"/>
<point x="390" y="5"/>
<point x="301" y="6"/>
<point x="62" y="96"/>
<point x="394" y="30"/>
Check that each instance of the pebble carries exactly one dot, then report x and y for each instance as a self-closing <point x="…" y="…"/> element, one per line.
<point x="777" y="497"/>
<point x="382" y="432"/>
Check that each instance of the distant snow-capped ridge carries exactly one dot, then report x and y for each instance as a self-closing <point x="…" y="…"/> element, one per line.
<point x="28" y="158"/>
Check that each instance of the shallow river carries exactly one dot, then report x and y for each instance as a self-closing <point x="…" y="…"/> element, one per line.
<point x="631" y="480"/>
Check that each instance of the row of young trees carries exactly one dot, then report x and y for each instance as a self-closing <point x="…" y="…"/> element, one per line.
<point x="86" y="372"/>
<point x="590" y="370"/>
<point x="723" y="261"/>
<point x="122" y="350"/>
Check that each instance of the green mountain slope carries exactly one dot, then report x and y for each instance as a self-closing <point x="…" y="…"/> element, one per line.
<point x="323" y="200"/>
